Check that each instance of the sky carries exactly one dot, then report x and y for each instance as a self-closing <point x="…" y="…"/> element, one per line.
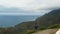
<point x="27" y="7"/>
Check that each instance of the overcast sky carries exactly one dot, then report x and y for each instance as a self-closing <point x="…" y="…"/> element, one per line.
<point x="27" y="7"/>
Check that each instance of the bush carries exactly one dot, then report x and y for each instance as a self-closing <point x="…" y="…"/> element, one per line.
<point x="42" y="28"/>
<point x="54" y="26"/>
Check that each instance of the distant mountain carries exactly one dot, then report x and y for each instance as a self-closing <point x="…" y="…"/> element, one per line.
<point x="49" y="19"/>
<point x="45" y="21"/>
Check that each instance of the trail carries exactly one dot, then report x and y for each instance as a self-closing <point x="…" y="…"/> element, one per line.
<point x="58" y="32"/>
<point x="48" y="31"/>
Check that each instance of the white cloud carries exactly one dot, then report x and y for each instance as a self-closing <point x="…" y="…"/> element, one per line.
<point x="32" y="6"/>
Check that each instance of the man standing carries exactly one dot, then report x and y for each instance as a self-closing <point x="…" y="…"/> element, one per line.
<point x="36" y="27"/>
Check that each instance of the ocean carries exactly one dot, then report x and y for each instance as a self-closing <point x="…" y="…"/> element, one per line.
<point x="8" y="20"/>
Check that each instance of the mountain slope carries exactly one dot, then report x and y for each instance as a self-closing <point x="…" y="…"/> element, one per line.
<point x="49" y="19"/>
<point x="25" y="25"/>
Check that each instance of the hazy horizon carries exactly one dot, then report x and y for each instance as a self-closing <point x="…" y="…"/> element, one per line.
<point x="27" y="8"/>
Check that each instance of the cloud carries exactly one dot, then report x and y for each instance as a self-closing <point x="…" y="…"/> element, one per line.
<point x="29" y="6"/>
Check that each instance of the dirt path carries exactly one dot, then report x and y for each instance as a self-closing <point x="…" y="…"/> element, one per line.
<point x="49" y="31"/>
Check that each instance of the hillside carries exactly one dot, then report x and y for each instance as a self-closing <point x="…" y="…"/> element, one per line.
<point x="50" y="20"/>
<point x="47" y="21"/>
<point x="25" y="25"/>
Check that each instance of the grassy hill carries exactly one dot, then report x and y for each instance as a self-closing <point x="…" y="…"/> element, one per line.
<point x="47" y="21"/>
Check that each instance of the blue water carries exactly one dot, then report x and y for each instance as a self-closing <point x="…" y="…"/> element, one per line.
<point x="8" y="21"/>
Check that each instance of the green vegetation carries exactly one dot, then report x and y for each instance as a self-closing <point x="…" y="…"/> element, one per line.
<point x="47" y="21"/>
<point x="54" y="26"/>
